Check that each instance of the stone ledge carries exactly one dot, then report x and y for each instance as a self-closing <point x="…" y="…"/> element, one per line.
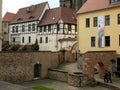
<point x="113" y="87"/>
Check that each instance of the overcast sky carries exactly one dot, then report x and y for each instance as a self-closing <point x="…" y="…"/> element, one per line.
<point x="14" y="5"/>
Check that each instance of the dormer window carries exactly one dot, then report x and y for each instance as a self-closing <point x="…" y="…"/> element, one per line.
<point x="28" y="10"/>
<point x="19" y="19"/>
<point x="31" y="17"/>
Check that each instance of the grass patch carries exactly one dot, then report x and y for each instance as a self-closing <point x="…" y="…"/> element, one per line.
<point x="42" y="88"/>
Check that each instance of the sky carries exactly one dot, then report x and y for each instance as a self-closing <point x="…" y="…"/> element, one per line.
<point x="14" y="5"/>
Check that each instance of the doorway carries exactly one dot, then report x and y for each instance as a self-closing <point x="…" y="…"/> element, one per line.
<point x="37" y="70"/>
<point x="118" y="64"/>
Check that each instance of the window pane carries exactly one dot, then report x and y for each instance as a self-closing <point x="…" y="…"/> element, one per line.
<point x="16" y="28"/>
<point x="107" y="20"/>
<point x="33" y="27"/>
<point x="23" y="28"/>
<point x="118" y="18"/>
<point x="46" y="39"/>
<point x="107" y="40"/>
<point x="29" y="27"/>
<point x="40" y="39"/>
<point x="29" y="39"/>
<point x="87" y="22"/>
<point x="22" y="39"/>
<point x="95" y="21"/>
<point x="92" y="41"/>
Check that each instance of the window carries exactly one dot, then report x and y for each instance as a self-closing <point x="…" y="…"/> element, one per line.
<point x="33" y="27"/>
<point x="16" y="28"/>
<point x="69" y="27"/>
<point x="114" y="1"/>
<point x="13" y="29"/>
<point x="5" y="32"/>
<point x="29" y="39"/>
<point x="58" y="27"/>
<point x="13" y="39"/>
<point x="107" y="40"/>
<point x="75" y="28"/>
<point x="118" y="18"/>
<point x="46" y="40"/>
<point x="119" y="40"/>
<point x="95" y="22"/>
<point x="87" y="22"/>
<point x="5" y="25"/>
<point x="40" y="29"/>
<point x="44" y="28"/>
<point x="49" y="28"/>
<point x="22" y="39"/>
<point x="23" y="28"/>
<point x="29" y="27"/>
<point x="107" y="20"/>
<point x="40" y="39"/>
<point x="92" y="41"/>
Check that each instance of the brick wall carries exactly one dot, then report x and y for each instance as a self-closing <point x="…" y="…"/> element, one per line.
<point x="19" y="66"/>
<point x="102" y="58"/>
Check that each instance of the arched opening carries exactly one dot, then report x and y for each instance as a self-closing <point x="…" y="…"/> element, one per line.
<point x="37" y="68"/>
<point x="101" y="69"/>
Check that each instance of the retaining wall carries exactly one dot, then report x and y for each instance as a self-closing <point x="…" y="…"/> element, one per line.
<point x="19" y="66"/>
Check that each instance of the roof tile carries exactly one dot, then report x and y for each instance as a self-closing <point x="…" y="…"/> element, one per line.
<point x="8" y="17"/>
<point x="30" y="13"/>
<point x="94" y="5"/>
<point x="52" y="16"/>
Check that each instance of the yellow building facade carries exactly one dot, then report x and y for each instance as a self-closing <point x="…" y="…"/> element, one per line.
<point x="98" y="25"/>
<point x="112" y="30"/>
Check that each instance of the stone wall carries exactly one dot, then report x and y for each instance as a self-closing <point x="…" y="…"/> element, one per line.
<point x="19" y="66"/>
<point x="76" y="79"/>
<point x="101" y="58"/>
<point x="56" y="74"/>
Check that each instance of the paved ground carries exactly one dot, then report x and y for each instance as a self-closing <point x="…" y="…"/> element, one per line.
<point x="69" y="67"/>
<point x="57" y="85"/>
<point x="9" y="86"/>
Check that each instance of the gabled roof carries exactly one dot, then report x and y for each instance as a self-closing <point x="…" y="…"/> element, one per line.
<point x="8" y="17"/>
<point x="30" y="13"/>
<point x="52" y="16"/>
<point x="94" y="5"/>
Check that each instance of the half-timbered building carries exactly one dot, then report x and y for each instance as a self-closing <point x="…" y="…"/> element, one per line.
<point x="23" y="28"/>
<point x="57" y="30"/>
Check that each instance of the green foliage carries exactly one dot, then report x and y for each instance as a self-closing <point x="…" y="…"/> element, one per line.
<point x="41" y="88"/>
<point x="35" y="47"/>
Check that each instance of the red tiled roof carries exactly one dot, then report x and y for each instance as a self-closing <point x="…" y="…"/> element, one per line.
<point x="67" y="39"/>
<point x="52" y="16"/>
<point x="30" y="13"/>
<point x="94" y="5"/>
<point x="8" y="17"/>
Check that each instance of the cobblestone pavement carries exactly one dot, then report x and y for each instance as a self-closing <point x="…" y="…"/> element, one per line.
<point x="57" y="85"/>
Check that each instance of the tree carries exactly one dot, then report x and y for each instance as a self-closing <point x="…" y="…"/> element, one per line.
<point x="35" y="47"/>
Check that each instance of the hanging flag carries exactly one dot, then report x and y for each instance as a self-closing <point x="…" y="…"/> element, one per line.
<point x="101" y="31"/>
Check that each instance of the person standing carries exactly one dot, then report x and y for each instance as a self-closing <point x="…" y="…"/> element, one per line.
<point x="106" y="76"/>
<point x="109" y="76"/>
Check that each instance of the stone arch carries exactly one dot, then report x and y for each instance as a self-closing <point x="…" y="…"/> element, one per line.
<point x="101" y="58"/>
<point x="37" y="70"/>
